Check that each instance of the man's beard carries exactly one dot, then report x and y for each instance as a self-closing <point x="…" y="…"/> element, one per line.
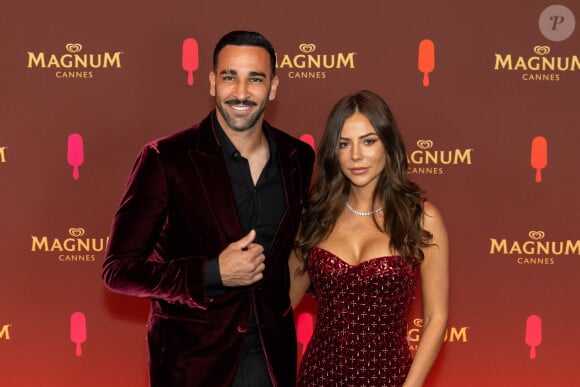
<point x="241" y="124"/>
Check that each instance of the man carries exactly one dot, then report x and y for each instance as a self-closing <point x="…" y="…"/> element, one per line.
<point x="205" y="229"/>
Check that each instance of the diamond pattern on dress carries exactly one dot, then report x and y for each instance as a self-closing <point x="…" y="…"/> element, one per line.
<point x="360" y="338"/>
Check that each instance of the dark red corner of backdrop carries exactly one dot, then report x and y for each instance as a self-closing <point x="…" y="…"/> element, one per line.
<point x="486" y="96"/>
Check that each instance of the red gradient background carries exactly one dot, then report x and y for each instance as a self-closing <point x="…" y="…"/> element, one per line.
<point x="469" y="135"/>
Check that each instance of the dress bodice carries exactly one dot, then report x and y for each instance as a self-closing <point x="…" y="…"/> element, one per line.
<point x="360" y="337"/>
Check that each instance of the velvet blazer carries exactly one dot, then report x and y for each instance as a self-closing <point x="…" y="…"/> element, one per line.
<point x="178" y="210"/>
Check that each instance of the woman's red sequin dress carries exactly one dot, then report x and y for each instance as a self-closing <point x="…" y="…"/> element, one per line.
<point x="360" y="338"/>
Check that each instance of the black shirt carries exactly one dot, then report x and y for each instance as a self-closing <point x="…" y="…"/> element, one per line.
<point x="260" y="206"/>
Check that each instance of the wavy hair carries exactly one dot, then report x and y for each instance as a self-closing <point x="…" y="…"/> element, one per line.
<point x="401" y="198"/>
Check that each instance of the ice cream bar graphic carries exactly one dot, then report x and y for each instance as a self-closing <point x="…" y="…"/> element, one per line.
<point x="533" y="333"/>
<point x="190" y="58"/>
<point x="539" y="156"/>
<point x="426" y="59"/>
<point x="78" y="330"/>
<point x="307" y="138"/>
<point x="75" y="153"/>
<point x="304" y="329"/>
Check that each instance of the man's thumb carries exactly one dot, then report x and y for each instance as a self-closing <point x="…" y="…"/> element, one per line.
<point x="247" y="239"/>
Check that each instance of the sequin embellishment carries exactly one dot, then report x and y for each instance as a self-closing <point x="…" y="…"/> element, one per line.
<point x="360" y="337"/>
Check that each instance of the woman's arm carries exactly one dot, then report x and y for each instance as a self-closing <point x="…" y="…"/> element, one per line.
<point x="435" y="288"/>
<point x="299" y="279"/>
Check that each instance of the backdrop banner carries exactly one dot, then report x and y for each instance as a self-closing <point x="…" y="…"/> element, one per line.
<point x="486" y="95"/>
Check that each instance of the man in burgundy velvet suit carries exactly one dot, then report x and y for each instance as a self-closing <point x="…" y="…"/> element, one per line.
<point x="205" y="229"/>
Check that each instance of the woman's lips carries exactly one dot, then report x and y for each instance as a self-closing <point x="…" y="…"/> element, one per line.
<point x="358" y="171"/>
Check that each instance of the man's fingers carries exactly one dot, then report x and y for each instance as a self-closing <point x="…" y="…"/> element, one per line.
<point x="246" y="240"/>
<point x="256" y="266"/>
<point x="242" y="262"/>
<point x="257" y="277"/>
<point x="260" y="268"/>
<point x="255" y="248"/>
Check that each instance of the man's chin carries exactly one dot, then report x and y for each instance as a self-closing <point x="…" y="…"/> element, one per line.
<point x="240" y="126"/>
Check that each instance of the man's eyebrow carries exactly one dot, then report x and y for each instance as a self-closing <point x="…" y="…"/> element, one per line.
<point x="257" y="74"/>
<point x="228" y="72"/>
<point x="235" y="72"/>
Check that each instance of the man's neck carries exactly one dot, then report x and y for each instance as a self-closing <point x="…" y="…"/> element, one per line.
<point x="247" y="142"/>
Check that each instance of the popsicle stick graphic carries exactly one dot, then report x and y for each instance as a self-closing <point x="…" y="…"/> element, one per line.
<point x="307" y="138"/>
<point x="304" y="330"/>
<point x="533" y="333"/>
<point x="78" y="330"/>
<point x="190" y="58"/>
<point x="75" y="153"/>
<point x="426" y="62"/>
<point x="539" y="156"/>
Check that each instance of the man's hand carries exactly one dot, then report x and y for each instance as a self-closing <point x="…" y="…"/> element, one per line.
<point x="242" y="262"/>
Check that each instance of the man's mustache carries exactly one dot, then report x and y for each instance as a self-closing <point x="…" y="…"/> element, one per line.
<point x="244" y="102"/>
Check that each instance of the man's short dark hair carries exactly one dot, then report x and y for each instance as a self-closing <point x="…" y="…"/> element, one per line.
<point x="245" y="38"/>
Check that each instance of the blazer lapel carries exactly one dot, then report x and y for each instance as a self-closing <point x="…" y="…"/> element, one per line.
<point x="215" y="182"/>
<point x="292" y="187"/>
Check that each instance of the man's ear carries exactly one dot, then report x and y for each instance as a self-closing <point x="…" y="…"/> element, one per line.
<point x="274" y="88"/>
<point x="212" y="83"/>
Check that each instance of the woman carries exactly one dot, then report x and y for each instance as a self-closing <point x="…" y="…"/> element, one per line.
<point x="367" y="238"/>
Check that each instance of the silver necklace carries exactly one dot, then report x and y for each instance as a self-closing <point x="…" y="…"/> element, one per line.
<point x="362" y="213"/>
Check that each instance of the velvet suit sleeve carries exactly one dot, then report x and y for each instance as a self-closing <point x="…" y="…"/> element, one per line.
<point x="132" y="265"/>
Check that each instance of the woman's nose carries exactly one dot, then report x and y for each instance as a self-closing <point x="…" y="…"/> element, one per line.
<point x="356" y="153"/>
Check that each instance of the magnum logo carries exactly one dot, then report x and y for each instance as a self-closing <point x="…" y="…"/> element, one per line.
<point x="452" y="334"/>
<point x="535" y="250"/>
<point x="426" y="160"/>
<point x="4" y="332"/>
<point x="311" y="65"/>
<point x="75" y="248"/>
<point x="538" y="67"/>
<point x="2" y="154"/>
<point x="73" y="63"/>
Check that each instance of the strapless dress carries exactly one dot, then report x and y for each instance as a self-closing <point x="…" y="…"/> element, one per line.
<point x="360" y="337"/>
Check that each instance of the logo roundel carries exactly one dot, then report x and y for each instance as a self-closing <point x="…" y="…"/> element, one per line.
<point x="76" y="232"/>
<point x="536" y="235"/>
<point x="74" y="47"/>
<point x="542" y="50"/>
<point x="307" y="48"/>
<point x="425" y="144"/>
<point x="557" y="23"/>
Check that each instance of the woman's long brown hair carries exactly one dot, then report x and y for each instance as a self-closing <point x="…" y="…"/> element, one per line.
<point x="402" y="199"/>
